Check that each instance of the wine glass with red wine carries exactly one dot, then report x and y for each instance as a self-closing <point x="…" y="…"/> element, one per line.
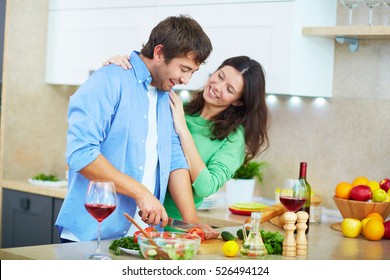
<point x="100" y="202"/>
<point x="293" y="194"/>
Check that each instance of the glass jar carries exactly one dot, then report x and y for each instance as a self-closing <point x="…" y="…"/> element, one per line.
<point x="315" y="210"/>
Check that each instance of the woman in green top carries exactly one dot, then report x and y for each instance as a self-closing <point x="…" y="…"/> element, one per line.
<point x="224" y="125"/>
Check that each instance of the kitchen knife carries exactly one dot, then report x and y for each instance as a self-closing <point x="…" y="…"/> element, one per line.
<point x="176" y="224"/>
<point x="180" y="225"/>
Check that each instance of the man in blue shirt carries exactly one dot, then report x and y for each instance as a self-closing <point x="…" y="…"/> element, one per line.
<point x="121" y="129"/>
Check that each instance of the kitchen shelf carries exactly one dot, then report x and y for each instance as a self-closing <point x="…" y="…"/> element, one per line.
<point x="361" y="32"/>
<point x="349" y="34"/>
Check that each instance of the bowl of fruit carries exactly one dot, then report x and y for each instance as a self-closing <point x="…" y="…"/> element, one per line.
<point x="169" y="245"/>
<point x="362" y="197"/>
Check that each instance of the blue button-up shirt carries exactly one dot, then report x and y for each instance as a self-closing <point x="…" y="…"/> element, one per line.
<point x="108" y="115"/>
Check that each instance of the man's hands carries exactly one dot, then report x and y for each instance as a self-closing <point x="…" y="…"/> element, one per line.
<point x="152" y="211"/>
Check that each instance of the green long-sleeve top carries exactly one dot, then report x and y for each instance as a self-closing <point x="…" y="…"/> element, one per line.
<point x="221" y="157"/>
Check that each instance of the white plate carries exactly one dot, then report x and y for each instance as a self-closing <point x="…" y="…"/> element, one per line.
<point x="130" y="251"/>
<point x="207" y="207"/>
<point x="56" y="184"/>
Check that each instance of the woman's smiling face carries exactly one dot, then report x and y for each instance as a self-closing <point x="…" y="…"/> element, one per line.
<point x="224" y="88"/>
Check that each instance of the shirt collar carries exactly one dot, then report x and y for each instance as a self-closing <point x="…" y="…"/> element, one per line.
<point x="141" y="71"/>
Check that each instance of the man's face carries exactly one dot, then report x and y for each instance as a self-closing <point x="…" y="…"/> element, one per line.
<point x="178" y="71"/>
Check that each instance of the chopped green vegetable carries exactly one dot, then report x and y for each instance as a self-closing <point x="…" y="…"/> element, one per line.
<point x="44" y="177"/>
<point x="273" y="242"/>
<point x="126" y="242"/>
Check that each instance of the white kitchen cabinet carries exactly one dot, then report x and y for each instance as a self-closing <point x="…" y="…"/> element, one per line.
<point x="82" y="35"/>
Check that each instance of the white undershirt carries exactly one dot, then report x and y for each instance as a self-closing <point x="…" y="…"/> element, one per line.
<point x="150" y="168"/>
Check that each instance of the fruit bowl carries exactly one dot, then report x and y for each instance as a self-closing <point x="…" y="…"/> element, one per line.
<point x="360" y="209"/>
<point x="176" y="245"/>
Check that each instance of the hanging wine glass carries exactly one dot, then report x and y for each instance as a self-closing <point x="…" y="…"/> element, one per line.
<point x="350" y="4"/>
<point x="387" y="3"/>
<point x="371" y="4"/>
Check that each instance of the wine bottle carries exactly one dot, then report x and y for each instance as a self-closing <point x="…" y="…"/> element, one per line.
<point x="306" y="207"/>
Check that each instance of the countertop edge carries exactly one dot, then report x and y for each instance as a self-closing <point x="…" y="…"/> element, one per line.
<point x="56" y="192"/>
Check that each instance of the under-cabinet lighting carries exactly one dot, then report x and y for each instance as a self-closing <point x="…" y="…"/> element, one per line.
<point x="271" y="99"/>
<point x="319" y="101"/>
<point x="185" y="95"/>
<point x="295" y="100"/>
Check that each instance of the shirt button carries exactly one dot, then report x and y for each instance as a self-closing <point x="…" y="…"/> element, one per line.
<point x="143" y="141"/>
<point x="145" y="116"/>
<point x="139" y="81"/>
<point x="140" y="168"/>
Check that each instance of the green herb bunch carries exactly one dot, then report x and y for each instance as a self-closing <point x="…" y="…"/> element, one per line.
<point x="126" y="242"/>
<point x="250" y="170"/>
<point x="44" y="177"/>
<point x="273" y="242"/>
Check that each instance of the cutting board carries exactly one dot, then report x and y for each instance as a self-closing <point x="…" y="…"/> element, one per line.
<point x="213" y="246"/>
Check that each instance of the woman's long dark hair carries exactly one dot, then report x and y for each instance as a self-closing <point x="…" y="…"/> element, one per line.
<point x="252" y="114"/>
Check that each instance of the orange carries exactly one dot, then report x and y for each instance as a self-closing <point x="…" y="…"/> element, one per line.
<point x="375" y="215"/>
<point x="361" y="180"/>
<point x="343" y="189"/>
<point x="374" y="230"/>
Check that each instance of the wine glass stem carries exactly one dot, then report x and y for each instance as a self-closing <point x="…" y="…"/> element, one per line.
<point x="350" y="16"/>
<point x="370" y="16"/>
<point x="98" y="239"/>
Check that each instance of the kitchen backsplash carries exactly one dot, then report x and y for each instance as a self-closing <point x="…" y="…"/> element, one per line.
<point x="342" y="137"/>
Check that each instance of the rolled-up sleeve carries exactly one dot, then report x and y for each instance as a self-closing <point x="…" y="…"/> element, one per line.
<point x="91" y="108"/>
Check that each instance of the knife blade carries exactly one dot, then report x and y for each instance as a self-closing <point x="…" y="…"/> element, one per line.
<point x="177" y="224"/>
<point x="180" y="225"/>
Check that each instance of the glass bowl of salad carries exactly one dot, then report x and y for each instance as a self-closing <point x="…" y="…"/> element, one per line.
<point x="169" y="245"/>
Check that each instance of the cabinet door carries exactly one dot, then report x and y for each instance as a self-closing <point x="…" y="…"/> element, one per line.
<point x="79" y="40"/>
<point x="261" y="31"/>
<point x="57" y="203"/>
<point x="27" y="219"/>
<point x="270" y="31"/>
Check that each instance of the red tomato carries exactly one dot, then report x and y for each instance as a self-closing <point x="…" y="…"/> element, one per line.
<point x="197" y="231"/>
<point x="150" y="229"/>
<point x="135" y="235"/>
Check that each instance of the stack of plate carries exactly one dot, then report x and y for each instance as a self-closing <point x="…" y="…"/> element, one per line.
<point x="246" y="208"/>
<point x="210" y="202"/>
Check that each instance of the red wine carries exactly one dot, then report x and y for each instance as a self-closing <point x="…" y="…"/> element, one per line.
<point x="100" y="211"/>
<point x="291" y="203"/>
<point x="306" y="207"/>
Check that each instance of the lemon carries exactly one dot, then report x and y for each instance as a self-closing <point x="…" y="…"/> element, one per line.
<point x="374" y="185"/>
<point x="351" y="227"/>
<point x="230" y="248"/>
<point x="364" y="222"/>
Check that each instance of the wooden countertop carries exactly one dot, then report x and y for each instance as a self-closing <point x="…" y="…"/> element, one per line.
<point x="25" y="186"/>
<point x="324" y="243"/>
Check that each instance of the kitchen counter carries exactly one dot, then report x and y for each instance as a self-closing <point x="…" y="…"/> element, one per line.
<point x="324" y="243"/>
<point x="25" y="186"/>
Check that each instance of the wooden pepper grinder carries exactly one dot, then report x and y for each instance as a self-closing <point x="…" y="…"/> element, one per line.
<point x="301" y="240"/>
<point x="289" y="243"/>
